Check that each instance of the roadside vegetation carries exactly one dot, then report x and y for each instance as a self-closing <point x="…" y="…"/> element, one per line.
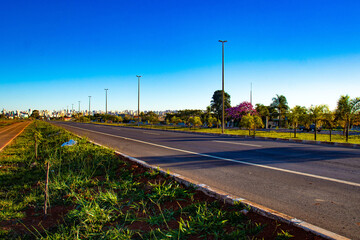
<point x="85" y="191"/>
<point x="277" y="120"/>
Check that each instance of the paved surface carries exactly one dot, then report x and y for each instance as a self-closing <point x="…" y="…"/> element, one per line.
<point x="8" y="133"/>
<point x="317" y="184"/>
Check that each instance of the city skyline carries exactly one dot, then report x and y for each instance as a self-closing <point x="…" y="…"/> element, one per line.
<point x="56" y="54"/>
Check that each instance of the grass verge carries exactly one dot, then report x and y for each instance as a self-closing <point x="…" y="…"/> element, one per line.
<point x="95" y="194"/>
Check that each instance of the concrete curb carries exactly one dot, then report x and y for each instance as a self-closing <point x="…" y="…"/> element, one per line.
<point x="311" y="142"/>
<point x="223" y="196"/>
<point x="231" y="199"/>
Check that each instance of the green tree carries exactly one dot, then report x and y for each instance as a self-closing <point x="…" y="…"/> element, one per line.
<point x="330" y="121"/>
<point x="35" y="114"/>
<point x="216" y="103"/>
<point x="281" y="105"/>
<point x="346" y="111"/>
<point x="175" y="120"/>
<point x="297" y="114"/>
<point x="317" y="115"/>
<point x="211" y="121"/>
<point x="195" y="121"/>
<point x="263" y="112"/>
<point x="150" y="117"/>
<point x="251" y="122"/>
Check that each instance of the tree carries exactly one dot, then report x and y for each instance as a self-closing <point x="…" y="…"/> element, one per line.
<point x="263" y="112"/>
<point x="216" y="103"/>
<point x="35" y="114"/>
<point x="150" y="117"/>
<point x="195" y="121"/>
<point x="175" y="120"/>
<point x="281" y="105"/>
<point x="240" y="110"/>
<point x="330" y="121"/>
<point x="297" y="114"/>
<point x="251" y="122"/>
<point x="211" y="121"/>
<point x="346" y="111"/>
<point x="317" y="115"/>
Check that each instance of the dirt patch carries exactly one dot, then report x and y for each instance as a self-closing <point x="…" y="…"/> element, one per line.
<point x="35" y="219"/>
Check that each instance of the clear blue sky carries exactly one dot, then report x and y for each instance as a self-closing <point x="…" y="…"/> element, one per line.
<point x="56" y="53"/>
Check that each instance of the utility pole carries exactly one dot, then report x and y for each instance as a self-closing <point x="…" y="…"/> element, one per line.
<point x="223" y="95"/>
<point x="106" y="89"/>
<point x="251" y="93"/>
<point x="138" y="76"/>
<point x="89" y="104"/>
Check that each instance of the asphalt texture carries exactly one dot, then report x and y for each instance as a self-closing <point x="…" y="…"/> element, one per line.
<point x="317" y="184"/>
<point x="8" y="133"/>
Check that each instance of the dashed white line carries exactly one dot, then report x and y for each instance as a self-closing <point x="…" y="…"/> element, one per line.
<point x="151" y="133"/>
<point x="238" y="143"/>
<point x="228" y="159"/>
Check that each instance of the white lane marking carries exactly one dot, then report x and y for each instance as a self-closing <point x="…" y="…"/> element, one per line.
<point x="237" y="143"/>
<point x="151" y="133"/>
<point x="228" y="159"/>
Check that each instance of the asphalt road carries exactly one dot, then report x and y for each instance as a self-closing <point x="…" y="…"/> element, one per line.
<point x="8" y="133"/>
<point x="314" y="183"/>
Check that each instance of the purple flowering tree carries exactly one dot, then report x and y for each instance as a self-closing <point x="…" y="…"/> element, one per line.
<point x="240" y="110"/>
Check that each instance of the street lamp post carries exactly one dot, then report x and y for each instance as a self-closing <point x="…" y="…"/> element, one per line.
<point x="106" y="89"/>
<point x="89" y="104"/>
<point x="138" y="76"/>
<point x="223" y="97"/>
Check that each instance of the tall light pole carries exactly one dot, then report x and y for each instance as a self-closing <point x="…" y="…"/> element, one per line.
<point x="138" y="76"/>
<point x="89" y="104"/>
<point x="223" y="95"/>
<point x="106" y="89"/>
<point x="79" y="106"/>
<point x="251" y="93"/>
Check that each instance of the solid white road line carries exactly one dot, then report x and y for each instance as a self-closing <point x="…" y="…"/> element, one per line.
<point x="237" y="143"/>
<point x="228" y="159"/>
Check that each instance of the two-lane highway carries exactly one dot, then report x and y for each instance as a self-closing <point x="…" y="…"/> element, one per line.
<point x="314" y="183"/>
<point x="8" y="133"/>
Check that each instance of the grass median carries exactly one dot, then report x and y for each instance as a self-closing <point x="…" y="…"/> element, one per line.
<point x="95" y="194"/>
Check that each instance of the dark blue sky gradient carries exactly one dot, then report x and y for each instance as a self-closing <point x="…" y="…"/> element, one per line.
<point x="45" y="41"/>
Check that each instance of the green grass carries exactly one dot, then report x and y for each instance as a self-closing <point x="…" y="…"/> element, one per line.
<point x="354" y="139"/>
<point x="96" y="195"/>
